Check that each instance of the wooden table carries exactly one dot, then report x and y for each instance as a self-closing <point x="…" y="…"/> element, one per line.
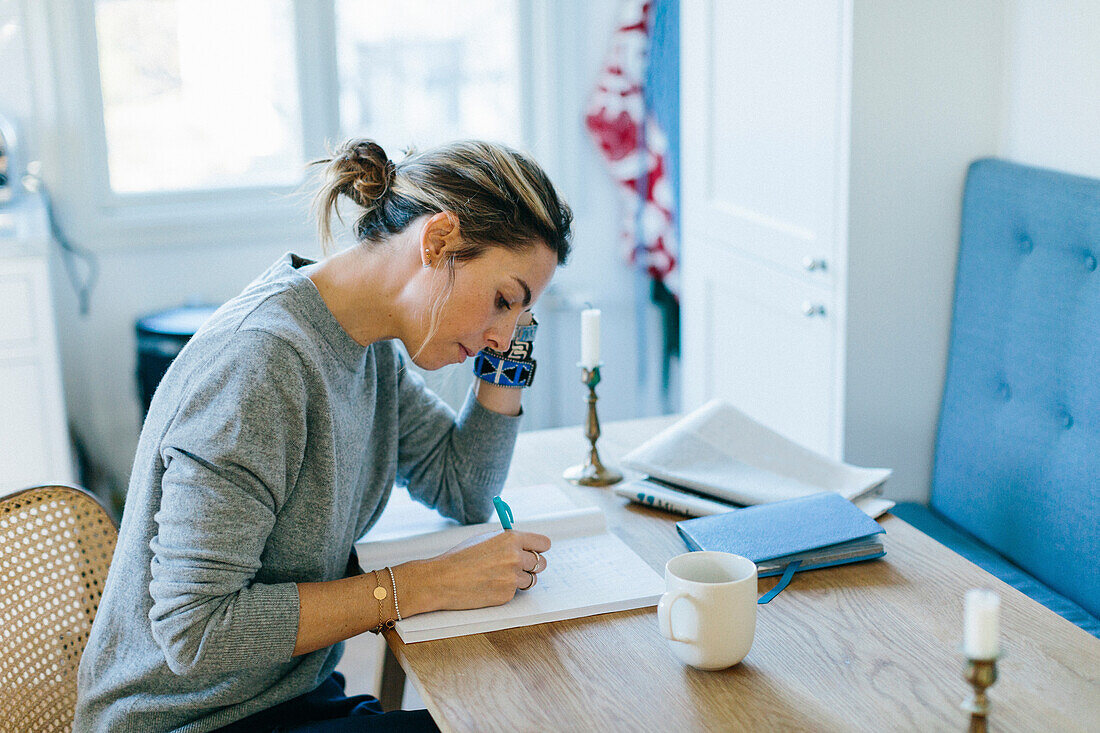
<point x="867" y="646"/>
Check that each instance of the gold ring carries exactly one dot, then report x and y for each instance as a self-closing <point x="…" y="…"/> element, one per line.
<point x="533" y="579"/>
<point x="538" y="559"/>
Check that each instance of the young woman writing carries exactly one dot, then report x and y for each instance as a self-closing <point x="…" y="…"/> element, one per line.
<point x="275" y="437"/>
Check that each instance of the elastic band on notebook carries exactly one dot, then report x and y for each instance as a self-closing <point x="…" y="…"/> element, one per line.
<point x="784" y="581"/>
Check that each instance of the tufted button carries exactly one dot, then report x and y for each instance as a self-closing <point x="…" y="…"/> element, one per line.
<point x="1026" y="245"/>
<point x="1067" y="420"/>
<point x="1004" y="391"/>
<point x="1090" y="261"/>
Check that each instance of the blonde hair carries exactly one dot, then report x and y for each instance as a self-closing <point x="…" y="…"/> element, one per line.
<point x="500" y="197"/>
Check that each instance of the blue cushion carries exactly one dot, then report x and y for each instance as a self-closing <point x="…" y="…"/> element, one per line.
<point x="939" y="529"/>
<point x="1017" y="461"/>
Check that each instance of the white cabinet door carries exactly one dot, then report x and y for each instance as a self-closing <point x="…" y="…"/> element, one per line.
<point x="764" y="342"/>
<point x="765" y="92"/>
<point x="34" y="436"/>
<point x="765" y="98"/>
<point x="25" y="455"/>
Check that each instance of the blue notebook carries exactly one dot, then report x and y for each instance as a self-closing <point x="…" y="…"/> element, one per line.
<point x="816" y="531"/>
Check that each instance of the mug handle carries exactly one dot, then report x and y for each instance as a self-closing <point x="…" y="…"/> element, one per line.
<point x="664" y="614"/>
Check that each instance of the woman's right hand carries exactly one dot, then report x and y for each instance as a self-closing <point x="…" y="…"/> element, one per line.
<point x="488" y="569"/>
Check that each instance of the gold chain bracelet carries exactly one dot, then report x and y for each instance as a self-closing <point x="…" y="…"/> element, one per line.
<point x="380" y="593"/>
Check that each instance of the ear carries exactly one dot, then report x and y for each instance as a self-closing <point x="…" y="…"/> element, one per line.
<point x="439" y="235"/>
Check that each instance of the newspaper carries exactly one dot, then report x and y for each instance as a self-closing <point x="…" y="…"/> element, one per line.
<point x="720" y="451"/>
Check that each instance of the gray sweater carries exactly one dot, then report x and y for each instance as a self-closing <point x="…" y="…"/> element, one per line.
<point x="271" y="445"/>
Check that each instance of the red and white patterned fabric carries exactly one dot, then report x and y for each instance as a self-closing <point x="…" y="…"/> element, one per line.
<point x="635" y="148"/>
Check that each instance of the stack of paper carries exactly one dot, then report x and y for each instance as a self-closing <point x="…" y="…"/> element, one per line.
<point x="719" y="451"/>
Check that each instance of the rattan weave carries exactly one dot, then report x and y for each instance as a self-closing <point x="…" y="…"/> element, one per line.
<point x="55" y="548"/>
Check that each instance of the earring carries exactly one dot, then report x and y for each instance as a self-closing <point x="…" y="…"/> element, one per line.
<point x="427" y="258"/>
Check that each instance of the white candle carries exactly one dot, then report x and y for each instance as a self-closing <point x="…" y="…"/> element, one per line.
<point x="981" y="636"/>
<point x="590" y="338"/>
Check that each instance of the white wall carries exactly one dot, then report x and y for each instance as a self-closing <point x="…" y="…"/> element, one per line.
<point x="136" y="278"/>
<point x="1052" y="85"/>
<point x="926" y="97"/>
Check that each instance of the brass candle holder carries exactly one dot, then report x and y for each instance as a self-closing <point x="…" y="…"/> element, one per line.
<point x="592" y="472"/>
<point x="980" y="673"/>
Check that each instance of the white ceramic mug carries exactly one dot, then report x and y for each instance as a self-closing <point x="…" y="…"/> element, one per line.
<point x="708" y="613"/>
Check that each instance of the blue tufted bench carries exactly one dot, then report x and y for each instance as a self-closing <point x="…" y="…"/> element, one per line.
<point x="1016" y="481"/>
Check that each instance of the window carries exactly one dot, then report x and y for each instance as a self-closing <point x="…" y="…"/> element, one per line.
<point x="191" y="102"/>
<point x="427" y="71"/>
<point x="215" y="95"/>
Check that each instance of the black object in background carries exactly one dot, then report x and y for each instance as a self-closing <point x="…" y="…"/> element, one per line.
<point x="160" y="337"/>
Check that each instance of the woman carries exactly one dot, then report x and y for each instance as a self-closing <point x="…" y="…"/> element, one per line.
<point x="274" y="438"/>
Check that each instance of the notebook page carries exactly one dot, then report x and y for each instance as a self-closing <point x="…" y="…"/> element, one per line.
<point x="584" y="576"/>
<point x="398" y="549"/>
<point x="405" y="517"/>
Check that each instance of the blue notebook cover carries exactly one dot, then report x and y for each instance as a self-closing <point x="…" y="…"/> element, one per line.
<point x="821" y="530"/>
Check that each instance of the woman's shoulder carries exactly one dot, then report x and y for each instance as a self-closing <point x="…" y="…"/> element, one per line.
<point x="227" y="371"/>
<point x="259" y="327"/>
<point x="268" y="312"/>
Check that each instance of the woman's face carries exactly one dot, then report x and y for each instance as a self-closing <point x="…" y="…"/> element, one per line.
<point x="488" y="296"/>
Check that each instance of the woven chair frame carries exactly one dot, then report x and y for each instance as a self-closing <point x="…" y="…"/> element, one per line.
<point x="56" y="544"/>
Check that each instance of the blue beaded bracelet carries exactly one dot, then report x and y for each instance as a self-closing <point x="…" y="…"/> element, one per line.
<point x="497" y="369"/>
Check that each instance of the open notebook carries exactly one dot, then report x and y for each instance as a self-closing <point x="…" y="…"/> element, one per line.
<point x="589" y="570"/>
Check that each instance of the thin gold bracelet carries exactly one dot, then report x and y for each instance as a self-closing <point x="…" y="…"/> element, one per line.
<point x="380" y="594"/>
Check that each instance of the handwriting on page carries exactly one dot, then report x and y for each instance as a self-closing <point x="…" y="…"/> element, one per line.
<point x="583" y="576"/>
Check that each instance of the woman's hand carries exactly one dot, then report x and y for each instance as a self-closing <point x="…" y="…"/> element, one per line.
<point x="485" y="570"/>
<point x="505" y="400"/>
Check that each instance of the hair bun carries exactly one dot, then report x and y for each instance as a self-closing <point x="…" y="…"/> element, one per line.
<point x="367" y="172"/>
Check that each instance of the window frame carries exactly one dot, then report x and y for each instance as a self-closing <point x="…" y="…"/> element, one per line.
<point x="74" y="148"/>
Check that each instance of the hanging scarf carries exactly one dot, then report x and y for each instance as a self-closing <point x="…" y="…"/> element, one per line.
<point x="635" y="148"/>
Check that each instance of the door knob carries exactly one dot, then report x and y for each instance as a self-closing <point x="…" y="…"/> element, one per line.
<point x="812" y="309"/>
<point x="812" y="263"/>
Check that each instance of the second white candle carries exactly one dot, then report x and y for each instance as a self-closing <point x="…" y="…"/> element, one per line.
<point x="982" y="627"/>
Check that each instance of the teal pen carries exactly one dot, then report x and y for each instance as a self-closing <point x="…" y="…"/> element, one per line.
<point x="504" y="512"/>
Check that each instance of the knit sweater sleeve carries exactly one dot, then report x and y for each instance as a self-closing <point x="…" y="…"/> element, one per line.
<point x="453" y="463"/>
<point x="231" y="455"/>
